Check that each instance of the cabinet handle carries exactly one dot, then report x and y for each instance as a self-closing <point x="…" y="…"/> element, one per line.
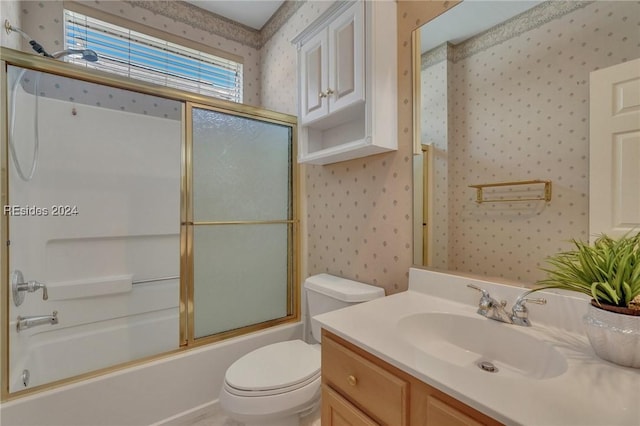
<point x="352" y="380"/>
<point x="326" y="94"/>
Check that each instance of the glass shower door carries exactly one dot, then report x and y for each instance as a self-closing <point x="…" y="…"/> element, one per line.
<point x="242" y="217"/>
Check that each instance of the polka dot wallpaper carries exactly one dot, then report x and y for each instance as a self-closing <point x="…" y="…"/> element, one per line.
<point x="11" y="12"/>
<point x="519" y="110"/>
<point x="357" y="214"/>
<point x="279" y="59"/>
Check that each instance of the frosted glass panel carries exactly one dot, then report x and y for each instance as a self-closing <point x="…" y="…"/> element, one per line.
<point x="240" y="276"/>
<point x="241" y="168"/>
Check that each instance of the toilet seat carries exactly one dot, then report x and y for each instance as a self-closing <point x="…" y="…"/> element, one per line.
<point x="269" y="392"/>
<point x="274" y="369"/>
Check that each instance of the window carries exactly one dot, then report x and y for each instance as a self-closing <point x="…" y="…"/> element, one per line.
<point x="136" y="55"/>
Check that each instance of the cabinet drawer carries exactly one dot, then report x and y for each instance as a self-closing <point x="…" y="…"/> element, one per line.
<point x="375" y="391"/>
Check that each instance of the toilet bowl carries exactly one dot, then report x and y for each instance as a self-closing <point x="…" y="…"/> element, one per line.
<point x="273" y="385"/>
<point x="277" y="384"/>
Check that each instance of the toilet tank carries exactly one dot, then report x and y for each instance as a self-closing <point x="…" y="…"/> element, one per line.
<point x="327" y="293"/>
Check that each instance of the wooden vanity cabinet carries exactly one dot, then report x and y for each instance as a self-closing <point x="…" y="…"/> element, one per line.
<point x="359" y="389"/>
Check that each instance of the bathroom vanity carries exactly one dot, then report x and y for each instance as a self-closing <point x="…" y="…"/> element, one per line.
<point x="361" y="389"/>
<point x="425" y="357"/>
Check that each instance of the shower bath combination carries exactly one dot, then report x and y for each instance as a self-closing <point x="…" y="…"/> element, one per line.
<point x="86" y="54"/>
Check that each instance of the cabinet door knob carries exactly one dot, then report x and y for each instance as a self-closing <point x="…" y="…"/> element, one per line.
<point x="329" y="92"/>
<point x="322" y="95"/>
<point x="352" y="380"/>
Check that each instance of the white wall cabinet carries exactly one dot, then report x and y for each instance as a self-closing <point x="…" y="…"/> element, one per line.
<point x="332" y="67"/>
<point x="347" y="83"/>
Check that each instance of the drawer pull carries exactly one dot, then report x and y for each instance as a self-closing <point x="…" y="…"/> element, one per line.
<point x="352" y="380"/>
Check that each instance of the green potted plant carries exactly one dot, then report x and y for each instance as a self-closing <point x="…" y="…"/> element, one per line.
<point x="609" y="272"/>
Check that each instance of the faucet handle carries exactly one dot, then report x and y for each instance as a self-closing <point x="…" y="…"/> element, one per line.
<point x="539" y="301"/>
<point x="19" y="287"/>
<point x="45" y="293"/>
<point x="520" y="313"/>
<point x="486" y="301"/>
<point x="35" y="285"/>
<point x="484" y="292"/>
<point x="520" y="301"/>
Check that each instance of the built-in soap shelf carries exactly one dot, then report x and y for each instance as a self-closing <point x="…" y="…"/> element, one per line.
<point x="99" y="286"/>
<point x="91" y="287"/>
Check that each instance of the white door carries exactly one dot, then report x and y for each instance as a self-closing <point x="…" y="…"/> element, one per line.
<point x="614" y="153"/>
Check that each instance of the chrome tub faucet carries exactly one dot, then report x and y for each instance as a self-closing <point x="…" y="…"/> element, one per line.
<point x="24" y="323"/>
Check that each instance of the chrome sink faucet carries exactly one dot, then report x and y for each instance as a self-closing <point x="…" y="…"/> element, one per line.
<point x="492" y="309"/>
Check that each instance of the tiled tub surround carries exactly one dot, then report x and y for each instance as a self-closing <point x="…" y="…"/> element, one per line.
<point x="590" y="391"/>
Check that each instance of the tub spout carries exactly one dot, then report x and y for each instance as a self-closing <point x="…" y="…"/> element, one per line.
<point x="27" y="322"/>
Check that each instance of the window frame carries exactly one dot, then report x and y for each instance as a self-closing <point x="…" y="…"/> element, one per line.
<point x="152" y="32"/>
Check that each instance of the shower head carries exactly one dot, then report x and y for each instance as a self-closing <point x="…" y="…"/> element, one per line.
<point x="87" y="54"/>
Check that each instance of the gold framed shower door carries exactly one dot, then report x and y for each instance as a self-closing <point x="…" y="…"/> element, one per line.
<point x="186" y="303"/>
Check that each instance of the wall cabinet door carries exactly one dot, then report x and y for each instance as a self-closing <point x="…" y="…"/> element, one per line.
<point x="314" y="67"/>
<point x="332" y="66"/>
<point x="346" y="60"/>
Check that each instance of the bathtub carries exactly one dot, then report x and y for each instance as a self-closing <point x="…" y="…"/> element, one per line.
<point x="122" y="324"/>
<point x="171" y="390"/>
<point x="59" y="354"/>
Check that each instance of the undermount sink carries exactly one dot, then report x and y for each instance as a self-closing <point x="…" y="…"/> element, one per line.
<point x="470" y="342"/>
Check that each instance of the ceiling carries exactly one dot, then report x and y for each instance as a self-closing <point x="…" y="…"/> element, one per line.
<point x="252" y="13"/>
<point x="471" y="17"/>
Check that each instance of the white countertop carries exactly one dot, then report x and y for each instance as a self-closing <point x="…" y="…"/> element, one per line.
<point x="590" y="392"/>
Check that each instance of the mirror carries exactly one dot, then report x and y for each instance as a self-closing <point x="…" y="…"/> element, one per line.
<point x="507" y="101"/>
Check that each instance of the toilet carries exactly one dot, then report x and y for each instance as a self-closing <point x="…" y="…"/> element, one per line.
<point x="277" y="384"/>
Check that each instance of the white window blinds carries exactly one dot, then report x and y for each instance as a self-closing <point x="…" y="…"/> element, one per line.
<point x="136" y="55"/>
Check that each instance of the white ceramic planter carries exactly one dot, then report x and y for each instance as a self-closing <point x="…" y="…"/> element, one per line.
<point x="614" y="337"/>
